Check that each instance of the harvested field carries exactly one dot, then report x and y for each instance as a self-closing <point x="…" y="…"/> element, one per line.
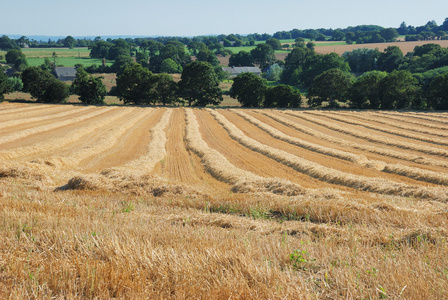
<point x="404" y="46"/>
<point x="152" y="202"/>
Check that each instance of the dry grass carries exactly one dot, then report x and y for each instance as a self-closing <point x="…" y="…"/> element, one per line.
<point x="128" y="233"/>
<point x="389" y="122"/>
<point x="217" y="165"/>
<point x="378" y="150"/>
<point x="395" y="131"/>
<point x="373" y="138"/>
<point x="406" y="119"/>
<point x="133" y="247"/>
<point x="414" y="173"/>
<point x="329" y="175"/>
<point x="56" y="143"/>
<point x="31" y="131"/>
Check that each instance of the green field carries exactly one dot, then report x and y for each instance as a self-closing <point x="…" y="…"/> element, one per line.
<point x="67" y="61"/>
<point x="64" y="56"/>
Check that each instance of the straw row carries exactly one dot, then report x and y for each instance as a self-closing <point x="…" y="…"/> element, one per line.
<point x="47" y="116"/>
<point x="220" y="168"/>
<point x="402" y="118"/>
<point x="330" y="175"/>
<point x="432" y="117"/>
<point x="57" y="143"/>
<point x="363" y="147"/>
<point x="370" y="137"/>
<point x="388" y="122"/>
<point x="27" y="132"/>
<point x="401" y="133"/>
<point x="414" y="173"/>
<point x="105" y="142"/>
<point x="156" y="152"/>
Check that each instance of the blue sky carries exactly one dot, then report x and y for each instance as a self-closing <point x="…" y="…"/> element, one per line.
<point x="202" y="17"/>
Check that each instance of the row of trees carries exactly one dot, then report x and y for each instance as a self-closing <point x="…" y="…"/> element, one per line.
<point x="358" y="34"/>
<point x="199" y="86"/>
<point x="378" y="90"/>
<point x="252" y="91"/>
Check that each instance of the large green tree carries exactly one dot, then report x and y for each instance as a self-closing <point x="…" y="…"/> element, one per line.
<point x="282" y="95"/>
<point x="90" y="89"/>
<point x="295" y="62"/>
<point x="16" y="58"/>
<point x="390" y="59"/>
<point x="249" y="89"/>
<point x="241" y="59"/>
<point x="330" y="86"/>
<point x="398" y="90"/>
<point x="69" y="42"/>
<point x="263" y="55"/>
<point x="438" y="92"/>
<point x="43" y="86"/>
<point x="274" y="43"/>
<point x="365" y="92"/>
<point x="134" y="85"/>
<point x="5" y="85"/>
<point x="199" y="84"/>
<point x="164" y="89"/>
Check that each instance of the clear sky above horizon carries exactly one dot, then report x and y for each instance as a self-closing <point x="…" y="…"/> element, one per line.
<point x="204" y="17"/>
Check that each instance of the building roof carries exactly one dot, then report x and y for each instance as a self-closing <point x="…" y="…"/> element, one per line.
<point x="65" y="73"/>
<point x="235" y="71"/>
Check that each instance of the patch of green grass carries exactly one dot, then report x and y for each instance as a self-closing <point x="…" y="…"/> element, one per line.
<point x="67" y="61"/>
<point x="60" y="52"/>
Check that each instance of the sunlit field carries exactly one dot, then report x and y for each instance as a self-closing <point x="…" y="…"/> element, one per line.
<point x="152" y="202"/>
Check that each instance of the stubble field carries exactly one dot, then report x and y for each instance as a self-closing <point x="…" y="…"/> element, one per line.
<point x="145" y="202"/>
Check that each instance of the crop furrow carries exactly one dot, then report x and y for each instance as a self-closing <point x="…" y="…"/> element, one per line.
<point x="400" y="133"/>
<point x="378" y="150"/>
<point x="372" y="138"/>
<point x="57" y="143"/>
<point x="42" y="118"/>
<point x="220" y="168"/>
<point x="156" y="152"/>
<point x="405" y="119"/>
<point x="43" y="128"/>
<point x="107" y="141"/>
<point x="390" y="123"/>
<point x="442" y="119"/>
<point x="330" y="175"/>
<point x="410" y="172"/>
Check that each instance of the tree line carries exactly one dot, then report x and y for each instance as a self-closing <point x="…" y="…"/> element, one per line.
<point x="352" y="34"/>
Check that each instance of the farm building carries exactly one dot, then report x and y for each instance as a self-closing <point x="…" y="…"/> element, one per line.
<point x="65" y="73"/>
<point x="235" y="71"/>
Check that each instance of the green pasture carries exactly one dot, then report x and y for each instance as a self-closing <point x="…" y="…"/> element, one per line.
<point x="60" y="52"/>
<point x="67" y="61"/>
<point x="64" y="56"/>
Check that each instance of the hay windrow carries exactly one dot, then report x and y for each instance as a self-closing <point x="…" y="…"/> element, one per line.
<point x="378" y="150"/>
<point x="372" y="138"/>
<point x="43" y="128"/>
<point x="155" y="152"/>
<point x="330" y="175"/>
<point x="143" y="185"/>
<point x="337" y="117"/>
<point x="57" y="143"/>
<point x="107" y="141"/>
<point x="378" y="118"/>
<point x="25" y="171"/>
<point x="414" y="173"/>
<point x="64" y="113"/>
<point x="217" y="165"/>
